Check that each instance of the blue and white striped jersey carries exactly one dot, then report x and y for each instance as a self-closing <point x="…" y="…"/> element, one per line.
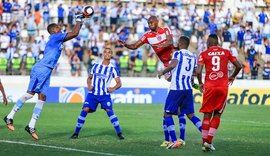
<point x="182" y="73"/>
<point x="102" y="76"/>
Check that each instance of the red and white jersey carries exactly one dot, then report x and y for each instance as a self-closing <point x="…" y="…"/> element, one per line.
<point x="157" y="38"/>
<point x="216" y="61"/>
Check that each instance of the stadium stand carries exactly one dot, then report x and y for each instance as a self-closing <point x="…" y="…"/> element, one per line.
<point x="23" y="30"/>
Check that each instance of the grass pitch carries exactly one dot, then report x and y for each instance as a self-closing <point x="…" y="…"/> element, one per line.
<point x="244" y="130"/>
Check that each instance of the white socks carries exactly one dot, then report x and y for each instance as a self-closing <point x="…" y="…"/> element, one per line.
<point x="36" y="113"/>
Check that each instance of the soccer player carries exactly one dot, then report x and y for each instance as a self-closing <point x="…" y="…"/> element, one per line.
<point x="41" y="73"/>
<point x="215" y="87"/>
<point x="161" y="40"/>
<point x="99" y="92"/>
<point x="182" y="67"/>
<point x="3" y="93"/>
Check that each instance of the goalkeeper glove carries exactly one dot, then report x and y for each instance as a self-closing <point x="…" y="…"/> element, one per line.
<point x="79" y="17"/>
<point x="196" y="86"/>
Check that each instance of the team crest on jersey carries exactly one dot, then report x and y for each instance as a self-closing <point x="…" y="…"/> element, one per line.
<point x="215" y="75"/>
<point x="71" y="96"/>
<point x="159" y="38"/>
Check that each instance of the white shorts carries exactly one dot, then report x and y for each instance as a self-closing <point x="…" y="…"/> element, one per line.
<point x="258" y="48"/>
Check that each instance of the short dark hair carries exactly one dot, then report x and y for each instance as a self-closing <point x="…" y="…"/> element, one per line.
<point x="50" y="27"/>
<point x="212" y="40"/>
<point x="185" y="40"/>
<point x="108" y="49"/>
<point x="153" y="17"/>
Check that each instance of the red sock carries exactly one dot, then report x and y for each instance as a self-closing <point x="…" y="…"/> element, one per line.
<point x="205" y="129"/>
<point x="213" y="128"/>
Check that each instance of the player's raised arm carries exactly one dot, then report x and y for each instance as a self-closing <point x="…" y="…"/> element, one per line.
<point x="131" y="46"/>
<point x="75" y="31"/>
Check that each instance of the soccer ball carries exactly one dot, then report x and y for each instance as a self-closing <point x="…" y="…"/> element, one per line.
<point x="88" y="11"/>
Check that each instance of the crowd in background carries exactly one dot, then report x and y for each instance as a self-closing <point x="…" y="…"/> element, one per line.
<point x="243" y="28"/>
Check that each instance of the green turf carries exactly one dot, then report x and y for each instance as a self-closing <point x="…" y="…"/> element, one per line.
<point x="244" y="130"/>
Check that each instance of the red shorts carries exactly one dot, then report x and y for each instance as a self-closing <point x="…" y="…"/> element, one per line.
<point x="214" y="99"/>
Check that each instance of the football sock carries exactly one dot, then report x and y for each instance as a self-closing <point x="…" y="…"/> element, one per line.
<point x="114" y="121"/>
<point x="36" y="113"/>
<point x="213" y="128"/>
<point x="205" y="129"/>
<point x="170" y="127"/>
<point x="80" y="121"/>
<point x="182" y="126"/>
<point x="19" y="105"/>
<point x="197" y="122"/>
<point x="165" y="130"/>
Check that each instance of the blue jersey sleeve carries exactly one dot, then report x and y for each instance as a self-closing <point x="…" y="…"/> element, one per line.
<point x="60" y="36"/>
<point x="115" y="73"/>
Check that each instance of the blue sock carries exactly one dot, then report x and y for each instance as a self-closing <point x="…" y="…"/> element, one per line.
<point x="165" y="130"/>
<point x="114" y="121"/>
<point x="197" y="122"/>
<point x="170" y="127"/>
<point x="80" y="122"/>
<point x="182" y="126"/>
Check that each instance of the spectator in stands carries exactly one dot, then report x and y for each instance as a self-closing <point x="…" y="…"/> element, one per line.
<point x="246" y="68"/>
<point x="266" y="30"/>
<point x="42" y="43"/>
<point x="103" y="13"/>
<point x="228" y="18"/>
<point x="226" y="38"/>
<point x="206" y="15"/>
<point x="16" y="7"/>
<point x="233" y="49"/>
<point x="75" y="65"/>
<point x="35" y="49"/>
<point x="187" y="27"/>
<point x="1" y="10"/>
<point x="3" y="28"/>
<point x="266" y="71"/>
<point x="31" y="29"/>
<point x="14" y="34"/>
<point x="237" y="16"/>
<point x="255" y="70"/>
<point x="46" y="14"/>
<point x="37" y="16"/>
<point x="84" y="33"/>
<point x="252" y="56"/>
<point x="212" y="26"/>
<point x="61" y="14"/>
<point x="4" y="41"/>
<point x="262" y="18"/>
<point x="114" y="12"/>
<point x="249" y="16"/>
<point x="248" y="41"/>
<point x="266" y="54"/>
<point x="70" y="15"/>
<point x="7" y="12"/>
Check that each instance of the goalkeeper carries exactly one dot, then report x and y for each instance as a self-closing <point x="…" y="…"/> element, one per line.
<point x="41" y="74"/>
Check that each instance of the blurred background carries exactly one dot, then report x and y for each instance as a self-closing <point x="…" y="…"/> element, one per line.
<point x="242" y="25"/>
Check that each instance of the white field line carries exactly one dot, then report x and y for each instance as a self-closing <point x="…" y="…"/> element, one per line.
<point x="247" y="121"/>
<point x="59" y="148"/>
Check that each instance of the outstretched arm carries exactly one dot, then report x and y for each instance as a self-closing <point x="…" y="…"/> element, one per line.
<point x="75" y="31"/>
<point x="131" y="46"/>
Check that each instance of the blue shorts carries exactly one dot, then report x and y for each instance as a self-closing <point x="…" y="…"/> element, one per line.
<point x="39" y="79"/>
<point x="92" y="102"/>
<point x="182" y="99"/>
